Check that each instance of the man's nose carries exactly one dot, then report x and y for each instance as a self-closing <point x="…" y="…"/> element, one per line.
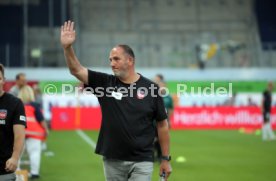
<point x="112" y="63"/>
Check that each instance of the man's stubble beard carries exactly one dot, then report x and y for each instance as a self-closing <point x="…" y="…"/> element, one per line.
<point x="120" y="74"/>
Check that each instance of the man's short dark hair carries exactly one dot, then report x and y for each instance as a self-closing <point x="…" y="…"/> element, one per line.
<point x="128" y="50"/>
<point x="2" y="69"/>
<point x="17" y="77"/>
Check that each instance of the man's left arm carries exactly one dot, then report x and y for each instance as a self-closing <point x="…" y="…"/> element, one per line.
<point x="19" y="138"/>
<point x="164" y="140"/>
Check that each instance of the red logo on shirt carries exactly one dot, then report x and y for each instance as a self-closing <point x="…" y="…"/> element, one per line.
<point x="140" y="94"/>
<point x="3" y="114"/>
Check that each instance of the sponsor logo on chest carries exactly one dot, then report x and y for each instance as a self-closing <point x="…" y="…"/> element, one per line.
<point x="3" y="113"/>
<point x="140" y="94"/>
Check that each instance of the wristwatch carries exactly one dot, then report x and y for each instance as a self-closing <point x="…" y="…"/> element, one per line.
<point x="167" y="158"/>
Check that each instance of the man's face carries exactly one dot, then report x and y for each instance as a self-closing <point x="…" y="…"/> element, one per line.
<point x="162" y="85"/>
<point x="21" y="81"/>
<point x="157" y="80"/>
<point x="119" y="62"/>
<point x="2" y="81"/>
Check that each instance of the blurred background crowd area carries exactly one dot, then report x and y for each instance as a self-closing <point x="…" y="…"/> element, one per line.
<point x="163" y="33"/>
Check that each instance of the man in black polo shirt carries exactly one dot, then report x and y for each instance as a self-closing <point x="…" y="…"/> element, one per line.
<point x="12" y="131"/>
<point x="267" y="132"/>
<point x="130" y="103"/>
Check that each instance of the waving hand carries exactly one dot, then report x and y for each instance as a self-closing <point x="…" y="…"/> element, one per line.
<point x="67" y="34"/>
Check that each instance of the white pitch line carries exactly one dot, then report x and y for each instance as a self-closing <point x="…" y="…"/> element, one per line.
<point x="86" y="138"/>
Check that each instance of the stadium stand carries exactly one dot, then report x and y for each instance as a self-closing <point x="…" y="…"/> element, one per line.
<point x="163" y="33"/>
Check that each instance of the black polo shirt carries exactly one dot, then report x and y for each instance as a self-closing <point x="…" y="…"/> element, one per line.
<point x="11" y="112"/>
<point x="127" y="130"/>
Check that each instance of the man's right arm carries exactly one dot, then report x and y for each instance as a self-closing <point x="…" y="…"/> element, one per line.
<point x="19" y="123"/>
<point x="19" y="138"/>
<point x="67" y="38"/>
<point x="74" y="65"/>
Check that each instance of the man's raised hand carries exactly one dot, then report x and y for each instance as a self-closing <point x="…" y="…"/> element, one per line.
<point x="67" y="34"/>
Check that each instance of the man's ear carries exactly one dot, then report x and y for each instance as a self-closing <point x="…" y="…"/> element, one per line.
<point x="131" y="60"/>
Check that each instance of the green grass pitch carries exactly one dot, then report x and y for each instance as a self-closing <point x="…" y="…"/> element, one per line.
<point x="210" y="156"/>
